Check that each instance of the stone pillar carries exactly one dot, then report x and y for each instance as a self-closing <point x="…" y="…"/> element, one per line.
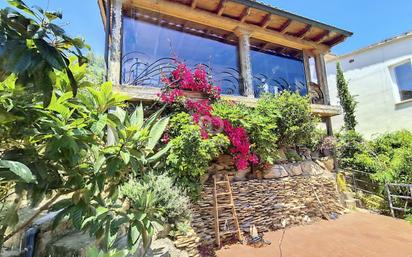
<point x="245" y="64"/>
<point x="115" y="45"/>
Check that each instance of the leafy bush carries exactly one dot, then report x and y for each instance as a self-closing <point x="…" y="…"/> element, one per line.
<point x="260" y="127"/>
<point x="190" y="154"/>
<point x="166" y="196"/>
<point x="349" y="144"/>
<point x="295" y="123"/>
<point x="373" y="202"/>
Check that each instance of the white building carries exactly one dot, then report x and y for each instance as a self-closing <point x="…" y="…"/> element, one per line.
<point x="380" y="77"/>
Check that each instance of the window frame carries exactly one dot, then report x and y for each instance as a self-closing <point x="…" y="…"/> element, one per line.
<point x="395" y="86"/>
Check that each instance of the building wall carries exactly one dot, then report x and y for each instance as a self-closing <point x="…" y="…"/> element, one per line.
<point x="371" y="82"/>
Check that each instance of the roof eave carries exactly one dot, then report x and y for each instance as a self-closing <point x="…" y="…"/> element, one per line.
<point x="289" y="15"/>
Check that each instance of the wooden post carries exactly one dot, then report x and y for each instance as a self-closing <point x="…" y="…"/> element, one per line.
<point x="245" y="63"/>
<point x="115" y="46"/>
<point x="114" y="55"/>
<point x="323" y="83"/>
<point x="322" y="77"/>
<point x="306" y="66"/>
<point x="388" y="191"/>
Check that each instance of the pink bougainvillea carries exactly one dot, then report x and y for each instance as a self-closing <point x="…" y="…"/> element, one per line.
<point x="182" y="78"/>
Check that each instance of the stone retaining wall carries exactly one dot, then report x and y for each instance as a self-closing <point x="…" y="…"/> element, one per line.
<point x="270" y="204"/>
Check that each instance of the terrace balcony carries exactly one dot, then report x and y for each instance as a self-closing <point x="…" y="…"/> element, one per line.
<point x="247" y="47"/>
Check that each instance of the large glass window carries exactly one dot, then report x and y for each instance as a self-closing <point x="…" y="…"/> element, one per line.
<point x="403" y="74"/>
<point x="149" y="50"/>
<point x="273" y="73"/>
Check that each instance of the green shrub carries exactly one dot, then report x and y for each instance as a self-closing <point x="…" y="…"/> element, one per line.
<point x="260" y="127"/>
<point x="373" y="202"/>
<point x="409" y="218"/>
<point x="349" y="144"/>
<point x="190" y="154"/>
<point x="295" y="123"/>
<point x="166" y="196"/>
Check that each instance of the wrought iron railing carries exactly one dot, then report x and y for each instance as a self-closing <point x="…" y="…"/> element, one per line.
<point x="138" y="69"/>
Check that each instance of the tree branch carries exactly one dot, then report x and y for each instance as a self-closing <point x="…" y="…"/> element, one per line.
<point x="37" y="213"/>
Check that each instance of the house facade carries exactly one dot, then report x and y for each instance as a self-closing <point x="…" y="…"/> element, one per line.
<point x="248" y="47"/>
<point x="380" y="77"/>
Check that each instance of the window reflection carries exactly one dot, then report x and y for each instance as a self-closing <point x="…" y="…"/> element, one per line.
<point x="273" y="74"/>
<point x="149" y="50"/>
<point x="403" y="75"/>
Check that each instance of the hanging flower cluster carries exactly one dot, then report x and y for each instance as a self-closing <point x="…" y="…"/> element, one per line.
<point x="182" y="78"/>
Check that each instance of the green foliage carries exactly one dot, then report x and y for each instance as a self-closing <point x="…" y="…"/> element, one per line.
<point x="346" y="99"/>
<point x="373" y="202"/>
<point x="64" y="146"/>
<point x="295" y="123"/>
<point x="168" y="198"/>
<point x="96" y="68"/>
<point x="259" y="123"/>
<point x="12" y="171"/>
<point x="341" y="182"/>
<point x="408" y="218"/>
<point x="33" y="46"/>
<point x="388" y="158"/>
<point x="190" y="154"/>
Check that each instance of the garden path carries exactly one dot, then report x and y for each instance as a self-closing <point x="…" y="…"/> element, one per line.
<point x="357" y="234"/>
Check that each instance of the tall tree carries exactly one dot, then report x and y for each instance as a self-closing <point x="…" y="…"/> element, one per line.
<point x="347" y="101"/>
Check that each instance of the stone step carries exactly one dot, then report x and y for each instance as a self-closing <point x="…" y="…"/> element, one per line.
<point x="351" y="204"/>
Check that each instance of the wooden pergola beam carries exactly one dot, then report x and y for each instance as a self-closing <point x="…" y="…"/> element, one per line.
<point x="304" y="32"/>
<point x="266" y="46"/>
<point x="245" y="14"/>
<point x="336" y="40"/>
<point x="193" y="4"/>
<point x="266" y="21"/>
<point x="321" y="37"/>
<point x="284" y="26"/>
<point x="221" y="7"/>
<point x="210" y="19"/>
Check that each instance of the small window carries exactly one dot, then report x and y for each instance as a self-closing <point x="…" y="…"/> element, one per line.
<point x="403" y="75"/>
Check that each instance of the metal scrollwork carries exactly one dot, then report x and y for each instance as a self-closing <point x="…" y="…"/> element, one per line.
<point x="138" y="70"/>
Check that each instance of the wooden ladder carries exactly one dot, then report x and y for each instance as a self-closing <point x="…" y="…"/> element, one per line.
<point x="219" y="195"/>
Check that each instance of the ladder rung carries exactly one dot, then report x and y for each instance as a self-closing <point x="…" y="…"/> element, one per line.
<point x="228" y="232"/>
<point x="227" y="218"/>
<point x="222" y="182"/>
<point x="220" y="194"/>
<point x="226" y="205"/>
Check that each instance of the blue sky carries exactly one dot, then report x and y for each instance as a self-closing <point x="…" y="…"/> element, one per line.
<point x="370" y="20"/>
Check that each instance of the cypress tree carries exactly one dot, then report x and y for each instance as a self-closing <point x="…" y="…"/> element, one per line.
<point x="347" y="101"/>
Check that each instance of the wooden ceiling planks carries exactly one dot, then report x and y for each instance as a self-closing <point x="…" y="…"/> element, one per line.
<point x="264" y="19"/>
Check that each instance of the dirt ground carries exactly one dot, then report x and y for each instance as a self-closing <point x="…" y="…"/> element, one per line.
<point x="353" y="235"/>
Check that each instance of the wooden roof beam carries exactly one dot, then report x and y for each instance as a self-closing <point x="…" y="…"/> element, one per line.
<point x="266" y="46"/>
<point x="336" y="40"/>
<point x="245" y="14"/>
<point x="194" y="4"/>
<point x="304" y="32"/>
<point x="284" y="26"/>
<point x="266" y="21"/>
<point x="321" y="37"/>
<point x="228" y="24"/>
<point x="221" y="7"/>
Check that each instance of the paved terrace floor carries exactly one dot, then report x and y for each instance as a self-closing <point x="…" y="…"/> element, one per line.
<point x="352" y="235"/>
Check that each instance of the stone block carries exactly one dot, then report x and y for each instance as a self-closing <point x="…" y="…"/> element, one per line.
<point x="276" y="171"/>
<point x="293" y="169"/>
